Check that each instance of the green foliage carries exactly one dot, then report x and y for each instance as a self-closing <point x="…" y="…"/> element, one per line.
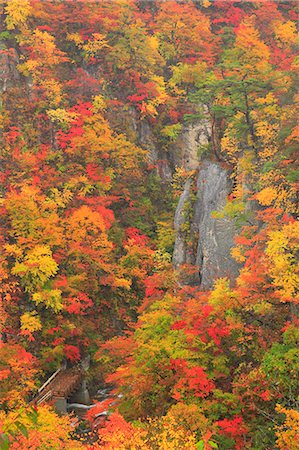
<point x="281" y="365"/>
<point x="4" y="35"/>
<point x="234" y="209"/>
<point x="172" y="132"/>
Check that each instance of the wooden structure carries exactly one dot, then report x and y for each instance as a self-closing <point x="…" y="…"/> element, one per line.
<point x="59" y="388"/>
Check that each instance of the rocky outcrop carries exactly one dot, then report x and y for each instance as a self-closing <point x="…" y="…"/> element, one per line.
<point x="139" y="131"/>
<point x="9" y="74"/>
<point x="180" y="219"/>
<point x="146" y="139"/>
<point x="202" y="241"/>
<point x="214" y="237"/>
<point x="193" y="138"/>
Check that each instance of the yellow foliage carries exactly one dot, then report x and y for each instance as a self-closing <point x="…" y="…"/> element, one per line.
<point x="286" y="33"/>
<point x="162" y="259"/>
<point x="189" y="416"/>
<point x="99" y="103"/>
<point x="253" y="53"/>
<point x="51" y="299"/>
<point x="47" y="54"/>
<point x="29" y="67"/>
<point x="37" y="267"/>
<point x="76" y="38"/>
<point x="17" y="12"/>
<point x="97" y="136"/>
<point x="237" y="254"/>
<point x="165" y="232"/>
<point x="288" y="433"/>
<point x="229" y="144"/>
<point x="84" y="221"/>
<point x="267" y="132"/>
<point x="125" y="440"/>
<point x="263" y="308"/>
<point x="153" y="43"/>
<point x="123" y="283"/>
<point x="41" y="65"/>
<point x="59" y="198"/>
<point x="246" y="163"/>
<point x="283" y="266"/>
<point x="14" y="250"/>
<point x="168" y="434"/>
<point x="266" y="196"/>
<point x="150" y="107"/>
<point x="49" y="431"/>
<point x="93" y="46"/>
<point x="44" y="44"/>
<point x="125" y="157"/>
<point x="179" y="179"/>
<point x="294" y="136"/>
<point x="61" y="116"/>
<point x="172" y="131"/>
<point x="270" y="103"/>
<point x="30" y="322"/>
<point x="285" y="193"/>
<point x="184" y="73"/>
<point x="53" y="91"/>
<point x="222" y="296"/>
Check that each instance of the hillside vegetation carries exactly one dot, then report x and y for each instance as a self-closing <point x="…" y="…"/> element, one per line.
<point x="96" y="98"/>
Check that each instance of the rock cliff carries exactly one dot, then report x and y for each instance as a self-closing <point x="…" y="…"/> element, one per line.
<point x="202" y="241"/>
<point x="9" y="74"/>
<point x="194" y="137"/>
<point x="215" y="235"/>
<point x="211" y="238"/>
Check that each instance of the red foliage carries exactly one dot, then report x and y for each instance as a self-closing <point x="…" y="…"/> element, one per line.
<point x="12" y="135"/>
<point x="153" y="287"/>
<point x="136" y="237"/>
<point x="78" y="304"/>
<point x="179" y="325"/>
<point x="98" y="409"/>
<point x="192" y="380"/>
<point x="218" y="330"/>
<point x="233" y="428"/>
<point x="72" y="353"/>
<point x="228" y="14"/>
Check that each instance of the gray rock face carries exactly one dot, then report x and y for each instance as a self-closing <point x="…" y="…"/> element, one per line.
<point x="8" y="68"/>
<point x="186" y="148"/>
<point x="214" y="236"/>
<point x="140" y="132"/>
<point x="180" y="247"/>
<point x="147" y="140"/>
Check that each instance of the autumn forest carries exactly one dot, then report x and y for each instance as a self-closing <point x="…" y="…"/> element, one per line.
<point x="149" y="243"/>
